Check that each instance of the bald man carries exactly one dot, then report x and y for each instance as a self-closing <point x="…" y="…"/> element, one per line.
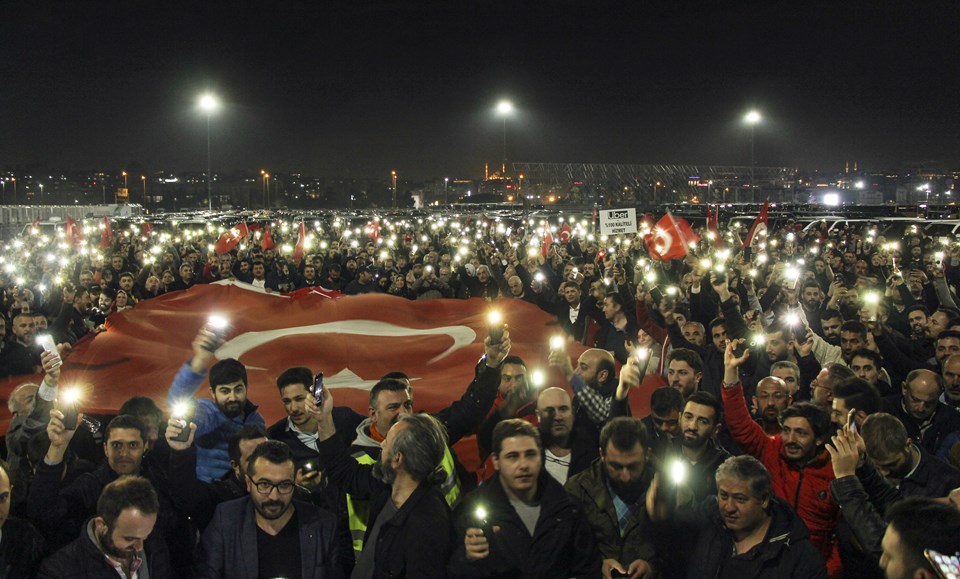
<point x="928" y="420"/>
<point x="951" y="379"/>
<point x="568" y="450"/>
<point x="594" y="382"/>
<point x="771" y="399"/>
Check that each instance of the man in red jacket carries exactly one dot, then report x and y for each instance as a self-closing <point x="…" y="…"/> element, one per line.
<point x="796" y="458"/>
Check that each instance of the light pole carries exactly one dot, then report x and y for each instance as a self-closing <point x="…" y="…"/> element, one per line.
<point x="393" y="175"/>
<point x="266" y="188"/>
<point x="504" y="109"/>
<point x="752" y="118"/>
<point x="124" y="173"/>
<point x="143" y="179"/>
<point x="446" y="181"/>
<point x="209" y="104"/>
<point x="14" y="179"/>
<point x="41" y="192"/>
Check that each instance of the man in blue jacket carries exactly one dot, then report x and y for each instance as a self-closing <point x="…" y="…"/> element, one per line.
<point x="218" y="419"/>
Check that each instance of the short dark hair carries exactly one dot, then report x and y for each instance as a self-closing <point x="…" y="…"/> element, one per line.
<point x="687" y="355"/>
<point x="396" y="375"/>
<point x="884" y="435"/>
<point x="837" y="373"/>
<point x="227" y="371"/>
<point x="273" y="451"/>
<point x="810" y="283"/>
<point x="918" y="308"/>
<point x="510" y="428"/>
<point x="855" y="327"/>
<point x="871" y="355"/>
<point x="948" y="334"/>
<point x="923" y="523"/>
<point x="386" y="384"/>
<point x="858" y="393"/>
<point x="625" y="433"/>
<point x="141" y="406"/>
<point x="125" y="421"/>
<point x="830" y="314"/>
<point x="511" y="359"/>
<point x="296" y="375"/>
<point x="707" y="399"/>
<point x="615" y="298"/>
<point x="717" y="322"/>
<point x="665" y="399"/>
<point x="248" y="432"/>
<point x="818" y="419"/>
<point x="127" y="492"/>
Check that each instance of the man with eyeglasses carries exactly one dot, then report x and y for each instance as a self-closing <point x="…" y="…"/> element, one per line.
<point x="269" y="533"/>
<point x="821" y="388"/>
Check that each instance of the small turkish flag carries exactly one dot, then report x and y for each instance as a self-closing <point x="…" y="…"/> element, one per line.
<point x="670" y="238"/>
<point x="267" y="241"/>
<point x="231" y="238"/>
<point x="375" y="231"/>
<point x="759" y="227"/>
<point x="298" y="250"/>
<point x="713" y="226"/>
<point x="72" y="232"/>
<point x="106" y="235"/>
<point x="547" y="242"/>
<point x="146" y="229"/>
<point x="565" y="233"/>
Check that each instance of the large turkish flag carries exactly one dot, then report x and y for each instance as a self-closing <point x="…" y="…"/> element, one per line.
<point x="354" y="340"/>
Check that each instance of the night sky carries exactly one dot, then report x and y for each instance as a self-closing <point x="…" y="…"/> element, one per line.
<point x="361" y="87"/>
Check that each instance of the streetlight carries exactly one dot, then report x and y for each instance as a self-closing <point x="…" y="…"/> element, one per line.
<point x="446" y="181"/>
<point x="208" y="104"/>
<point x="266" y="188"/>
<point x="41" y="191"/>
<point x="124" y="173"/>
<point x="143" y="179"/>
<point x="14" y="179"/>
<point x="504" y="109"/>
<point x="393" y="174"/>
<point x="752" y="118"/>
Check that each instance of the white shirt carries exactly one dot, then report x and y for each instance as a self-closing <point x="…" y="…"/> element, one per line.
<point x="558" y="466"/>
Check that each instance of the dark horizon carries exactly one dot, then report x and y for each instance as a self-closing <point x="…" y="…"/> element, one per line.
<point x="355" y="91"/>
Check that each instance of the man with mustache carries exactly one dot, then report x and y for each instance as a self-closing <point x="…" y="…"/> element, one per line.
<point x="119" y="539"/>
<point x="218" y="419"/>
<point x="269" y="530"/>
<point x="408" y="523"/>
<point x="615" y="484"/>
<point x="796" y="458"/>
<point x="567" y="450"/>
<point x="771" y="399"/>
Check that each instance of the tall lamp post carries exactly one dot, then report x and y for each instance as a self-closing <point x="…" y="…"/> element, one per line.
<point x="143" y="179"/>
<point x="208" y="104"/>
<point x="752" y="118"/>
<point x="393" y="175"/>
<point x="41" y="192"/>
<point x="504" y="109"/>
<point x="446" y="182"/>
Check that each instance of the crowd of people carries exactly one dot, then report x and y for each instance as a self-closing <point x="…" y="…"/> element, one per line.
<point x="803" y="393"/>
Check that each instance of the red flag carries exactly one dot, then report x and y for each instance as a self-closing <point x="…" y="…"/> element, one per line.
<point x="713" y="226"/>
<point x="670" y="238"/>
<point x="565" y="233"/>
<point x="301" y="238"/>
<point x="72" y="232"/>
<point x="146" y="229"/>
<point x="759" y="227"/>
<point x="266" y="242"/>
<point x="547" y="242"/>
<point x="106" y="235"/>
<point x="231" y="238"/>
<point x="375" y="231"/>
<point x="353" y="340"/>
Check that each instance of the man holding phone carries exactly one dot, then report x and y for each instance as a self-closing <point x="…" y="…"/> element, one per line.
<point x="218" y="419"/>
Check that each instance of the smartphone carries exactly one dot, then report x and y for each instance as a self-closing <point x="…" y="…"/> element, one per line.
<point x="318" y="389"/>
<point x="946" y="566"/>
<point x="851" y="421"/>
<point x="46" y="342"/>
<point x="219" y="327"/>
<point x="182" y="414"/>
<point x="838" y="277"/>
<point x="70" y="410"/>
<point x="721" y="276"/>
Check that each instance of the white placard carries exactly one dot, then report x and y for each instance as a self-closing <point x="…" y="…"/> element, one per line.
<point x="616" y="221"/>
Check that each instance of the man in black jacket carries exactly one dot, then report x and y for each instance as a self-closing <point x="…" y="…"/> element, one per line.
<point x="750" y="532"/>
<point x="522" y="523"/>
<point x="918" y="407"/>
<point x="408" y="527"/>
<point x="269" y="533"/>
<point x="119" y="540"/>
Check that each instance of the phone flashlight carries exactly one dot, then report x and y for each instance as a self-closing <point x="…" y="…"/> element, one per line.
<point x="495" y="327"/>
<point x="70" y="407"/>
<point x="181" y="412"/>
